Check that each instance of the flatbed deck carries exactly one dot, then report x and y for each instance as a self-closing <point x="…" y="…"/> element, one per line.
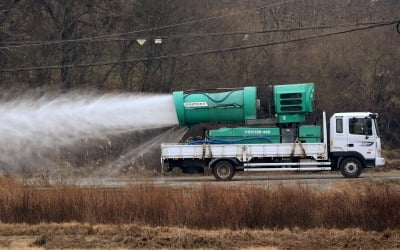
<point x="244" y="152"/>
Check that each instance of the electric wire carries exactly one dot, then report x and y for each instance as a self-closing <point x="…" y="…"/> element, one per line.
<point x="180" y="36"/>
<point x="12" y="9"/>
<point x="205" y="52"/>
<point x="170" y="25"/>
<point x="102" y="38"/>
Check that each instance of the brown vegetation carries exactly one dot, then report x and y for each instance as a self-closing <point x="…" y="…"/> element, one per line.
<point x="374" y="207"/>
<point x="392" y="158"/>
<point x="83" y="236"/>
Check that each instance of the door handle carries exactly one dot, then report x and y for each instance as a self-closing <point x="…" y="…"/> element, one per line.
<point x="350" y="145"/>
<point x="367" y="143"/>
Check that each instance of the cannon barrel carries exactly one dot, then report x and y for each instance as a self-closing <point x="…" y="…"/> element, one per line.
<point x="232" y="106"/>
<point x="291" y="102"/>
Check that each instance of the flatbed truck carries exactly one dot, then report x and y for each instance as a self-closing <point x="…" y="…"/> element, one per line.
<point x="349" y="143"/>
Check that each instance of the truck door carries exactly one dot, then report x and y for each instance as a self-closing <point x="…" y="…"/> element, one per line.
<point x="338" y="134"/>
<point x="361" y="137"/>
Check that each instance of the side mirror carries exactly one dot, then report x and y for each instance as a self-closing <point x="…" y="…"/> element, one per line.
<point x="373" y="116"/>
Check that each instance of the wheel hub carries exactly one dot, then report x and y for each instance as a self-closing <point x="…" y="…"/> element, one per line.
<point x="223" y="171"/>
<point x="351" y="167"/>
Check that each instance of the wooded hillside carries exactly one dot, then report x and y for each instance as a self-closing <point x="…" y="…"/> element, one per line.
<point x="84" y="44"/>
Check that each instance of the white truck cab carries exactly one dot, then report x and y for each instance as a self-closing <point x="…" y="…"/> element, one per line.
<point x="354" y="140"/>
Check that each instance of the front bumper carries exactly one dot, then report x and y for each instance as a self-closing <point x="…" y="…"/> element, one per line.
<point x="379" y="162"/>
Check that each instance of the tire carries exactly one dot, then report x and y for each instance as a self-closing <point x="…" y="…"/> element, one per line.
<point x="223" y="171"/>
<point x="351" y="167"/>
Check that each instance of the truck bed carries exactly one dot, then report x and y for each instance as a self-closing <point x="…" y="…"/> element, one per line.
<point x="243" y="152"/>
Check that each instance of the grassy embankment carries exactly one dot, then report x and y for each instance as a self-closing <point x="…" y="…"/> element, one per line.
<point x="147" y="216"/>
<point x="371" y="207"/>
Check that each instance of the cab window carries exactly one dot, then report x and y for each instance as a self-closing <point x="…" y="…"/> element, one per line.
<point x="339" y="125"/>
<point x="360" y="126"/>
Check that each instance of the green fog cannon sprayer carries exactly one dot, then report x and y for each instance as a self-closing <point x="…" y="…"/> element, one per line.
<point x="269" y="116"/>
<point x="264" y="128"/>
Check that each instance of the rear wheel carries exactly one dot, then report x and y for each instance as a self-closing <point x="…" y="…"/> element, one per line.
<point x="223" y="170"/>
<point x="351" y="167"/>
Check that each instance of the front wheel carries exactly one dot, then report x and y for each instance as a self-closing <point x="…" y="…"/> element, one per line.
<point x="223" y="171"/>
<point x="351" y="167"/>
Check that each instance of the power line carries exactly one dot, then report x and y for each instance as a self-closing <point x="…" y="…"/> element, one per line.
<point x="103" y="38"/>
<point x="205" y="52"/>
<point x="14" y="9"/>
<point x="168" y="26"/>
<point x="197" y="20"/>
<point x="14" y="44"/>
<point x="180" y="36"/>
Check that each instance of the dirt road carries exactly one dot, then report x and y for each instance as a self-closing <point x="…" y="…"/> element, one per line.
<point x="322" y="181"/>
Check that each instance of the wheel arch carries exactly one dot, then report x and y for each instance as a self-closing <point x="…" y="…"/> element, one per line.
<point x="233" y="161"/>
<point x="339" y="156"/>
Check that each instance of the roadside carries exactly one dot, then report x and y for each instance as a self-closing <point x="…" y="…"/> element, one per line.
<point x="324" y="181"/>
<point x="84" y="236"/>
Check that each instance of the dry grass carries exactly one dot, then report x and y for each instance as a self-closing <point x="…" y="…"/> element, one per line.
<point x="392" y="157"/>
<point x="84" y="236"/>
<point x="372" y="207"/>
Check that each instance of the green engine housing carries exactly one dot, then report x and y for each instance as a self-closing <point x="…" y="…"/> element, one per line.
<point x="293" y="101"/>
<point x="310" y="134"/>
